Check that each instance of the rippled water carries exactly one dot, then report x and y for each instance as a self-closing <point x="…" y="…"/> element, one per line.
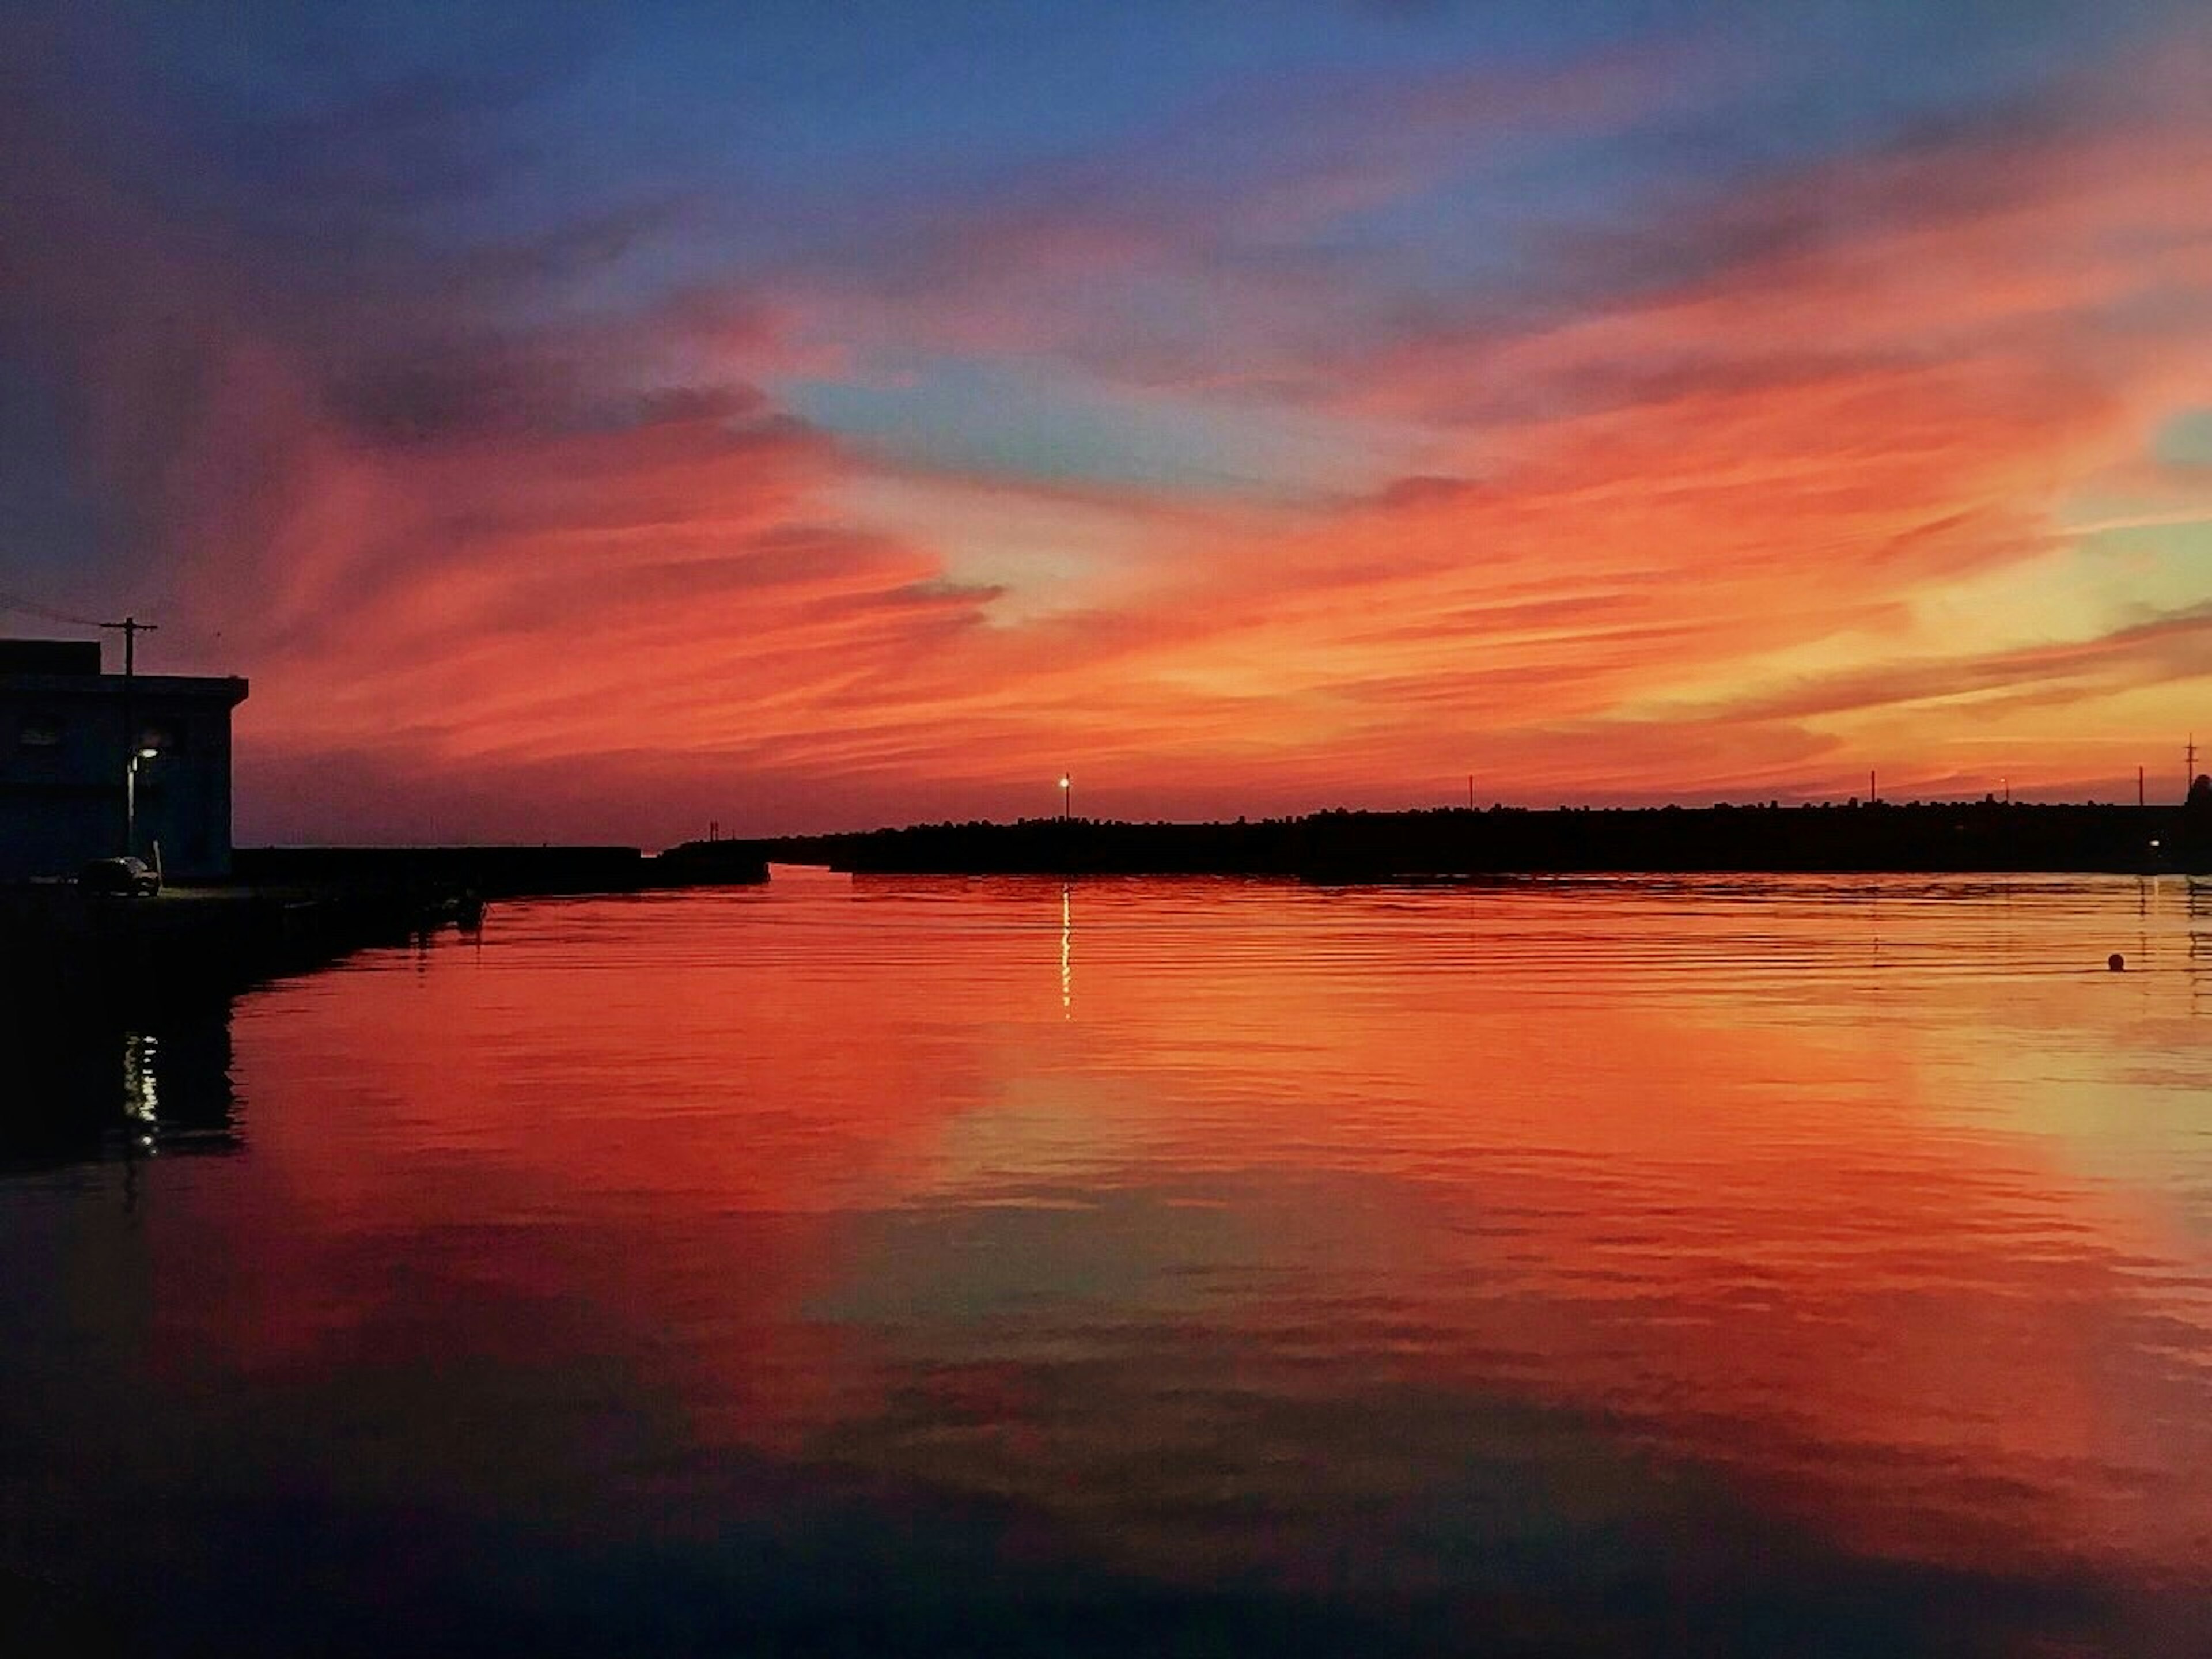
<point x="1721" y="1265"/>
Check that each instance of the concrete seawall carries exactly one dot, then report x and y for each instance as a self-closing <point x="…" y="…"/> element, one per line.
<point x="291" y="910"/>
<point x="59" y="944"/>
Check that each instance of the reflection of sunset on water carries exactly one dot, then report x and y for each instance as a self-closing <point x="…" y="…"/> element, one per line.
<point x="1305" y="1190"/>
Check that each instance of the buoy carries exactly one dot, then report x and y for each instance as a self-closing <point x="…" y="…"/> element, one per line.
<point x="2116" y="962"/>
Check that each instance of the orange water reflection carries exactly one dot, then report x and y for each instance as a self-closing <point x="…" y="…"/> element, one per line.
<point x="1226" y="1229"/>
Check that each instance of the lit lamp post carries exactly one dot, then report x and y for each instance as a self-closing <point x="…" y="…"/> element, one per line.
<point x="1065" y="782"/>
<point x="138" y="758"/>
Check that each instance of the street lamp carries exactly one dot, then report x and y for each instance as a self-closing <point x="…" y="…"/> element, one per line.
<point x="1065" y="783"/>
<point x="138" y="758"/>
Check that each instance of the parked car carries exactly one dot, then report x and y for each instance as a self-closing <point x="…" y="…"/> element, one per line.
<point x="120" y="875"/>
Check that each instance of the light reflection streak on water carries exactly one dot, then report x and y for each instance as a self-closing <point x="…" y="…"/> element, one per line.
<point x="141" y="1091"/>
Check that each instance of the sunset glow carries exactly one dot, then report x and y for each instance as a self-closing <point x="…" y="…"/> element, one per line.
<point x="812" y="419"/>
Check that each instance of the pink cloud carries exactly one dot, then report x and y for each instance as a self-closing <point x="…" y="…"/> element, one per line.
<point x="555" y="578"/>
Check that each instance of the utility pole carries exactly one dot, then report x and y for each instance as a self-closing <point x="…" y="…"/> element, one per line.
<point x="2188" y="768"/>
<point x="1871" y="796"/>
<point x="1470" y="792"/>
<point x="2141" y="799"/>
<point x="130" y="628"/>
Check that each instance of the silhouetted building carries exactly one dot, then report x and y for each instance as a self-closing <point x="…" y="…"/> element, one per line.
<point x="67" y="736"/>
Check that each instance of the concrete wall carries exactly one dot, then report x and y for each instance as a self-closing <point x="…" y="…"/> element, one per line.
<point x="64" y="741"/>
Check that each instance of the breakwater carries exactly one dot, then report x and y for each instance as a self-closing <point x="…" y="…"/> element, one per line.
<point x="488" y="872"/>
<point x="500" y="872"/>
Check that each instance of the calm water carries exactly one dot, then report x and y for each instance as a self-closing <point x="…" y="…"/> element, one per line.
<point x="1710" y="1267"/>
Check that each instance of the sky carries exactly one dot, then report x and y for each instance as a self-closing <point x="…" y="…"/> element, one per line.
<point x="585" y="423"/>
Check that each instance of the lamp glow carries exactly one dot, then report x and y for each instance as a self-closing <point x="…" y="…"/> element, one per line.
<point x="138" y="758"/>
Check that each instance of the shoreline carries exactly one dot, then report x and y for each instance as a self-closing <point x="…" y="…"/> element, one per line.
<point x="1339" y="847"/>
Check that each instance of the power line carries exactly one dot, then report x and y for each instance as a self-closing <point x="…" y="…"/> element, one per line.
<point x="32" y="608"/>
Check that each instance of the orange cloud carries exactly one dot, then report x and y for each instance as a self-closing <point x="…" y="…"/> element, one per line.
<point x="581" y="573"/>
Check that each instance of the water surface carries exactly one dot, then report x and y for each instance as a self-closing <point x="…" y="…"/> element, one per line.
<point x="1809" y="1266"/>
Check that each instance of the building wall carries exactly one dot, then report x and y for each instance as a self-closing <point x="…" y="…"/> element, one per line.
<point x="64" y="740"/>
